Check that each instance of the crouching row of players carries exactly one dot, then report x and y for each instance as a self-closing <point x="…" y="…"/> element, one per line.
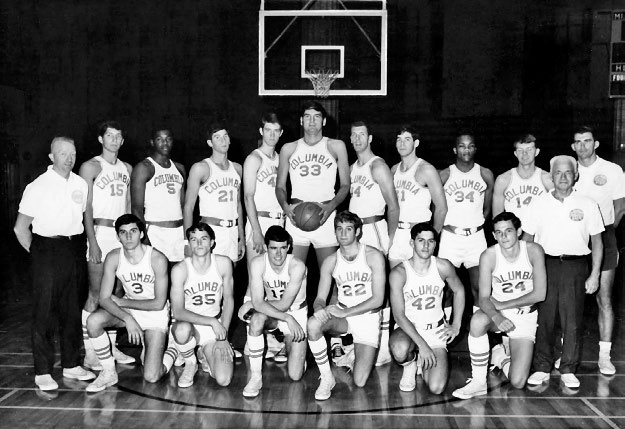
<point x="512" y="280"/>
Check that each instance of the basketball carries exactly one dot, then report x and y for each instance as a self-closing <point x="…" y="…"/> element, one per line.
<point x="307" y="216"/>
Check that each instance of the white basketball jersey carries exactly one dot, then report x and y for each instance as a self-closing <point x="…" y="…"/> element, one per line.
<point x="423" y="294"/>
<point x="137" y="279"/>
<point x="414" y="199"/>
<point x="219" y="195"/>
<point x="110" y="190"/>
<point x="265" y="195"/>
<point x="520" y="193"/>
<point x="353" y="278"/>
<point x="162" y="193"/>
<point x="366" y="197"/>
<point x="312" y="170"/>
<point x="203" y="292"/>
<point x="603" y="181"/>
<point x="275" y="284"/>
<point x="512" y="279"/>
<point x="465" y="197"/>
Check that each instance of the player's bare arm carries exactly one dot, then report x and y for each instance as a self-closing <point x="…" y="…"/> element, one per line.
<point x="487" y="266"/>
<point x="89" y="170"/>
<point x="444" y="175"/>
<point x="338" y="150"/>
<point x="161" y="286"/>
<point x="22" y="230"/>
<point x="199" y="173"/>
<point x="427" y="176"/>
<point x="448" y="273"/>
<point x="592" y="282"/>
<point x="501" y="183"/>
<point x="323" y="289"/>
<point x="142" y="172"/>
<point x="489" y="178"/>
<point x="128" y="199"/>
<point x="382" y="176"/>
<point x="283" y="173"/>
<point x="250" y="170"/>
<point x="241" y="226"/>
<point x="183" y="172"/>
<point x="224" y="266"/>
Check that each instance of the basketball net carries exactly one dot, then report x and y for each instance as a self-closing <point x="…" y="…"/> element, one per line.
<point x="321" y="81"/>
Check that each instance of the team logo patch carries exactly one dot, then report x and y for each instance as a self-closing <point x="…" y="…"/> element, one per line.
<point x="600" y="180"/>
<point x="78" y="196"/>
<point x="576" y="215"/>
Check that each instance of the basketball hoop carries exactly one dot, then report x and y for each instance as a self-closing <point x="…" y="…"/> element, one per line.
<point x="321" y="81"/>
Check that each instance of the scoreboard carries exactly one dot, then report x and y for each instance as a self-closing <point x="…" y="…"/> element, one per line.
<point x="617" y="55"/>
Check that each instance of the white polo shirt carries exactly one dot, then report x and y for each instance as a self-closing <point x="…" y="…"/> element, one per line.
<point x="604" y="182"/>
<point x="564" y="228"/>
<point x="56" y="204"/>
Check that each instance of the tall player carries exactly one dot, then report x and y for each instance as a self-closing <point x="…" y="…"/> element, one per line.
<point x="469" y="190"/>
<point x="217" y="182"/>
<point x="108" y="180"/>
<point x="278" y="288"/>
<point x="603" y="181"/>
<point x="202" y="303"/>
<point x="143" y="310"/>
<point x="359" y="273"/>
<point x="417" y="287"/>
<point x="372" y="193"/>
<point x="515" y="189"/>
<point x="513" y="280"/>
<point x="157" y="195"/>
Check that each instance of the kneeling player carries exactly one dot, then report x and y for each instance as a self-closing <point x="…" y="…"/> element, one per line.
<point x="198" y="286"/>
<point x="278" y="289"/>
<point x="143" y="310"/>
<point x="359" y="272"/>
<point x="417" y="286"/>
<point x="512" y="281"/>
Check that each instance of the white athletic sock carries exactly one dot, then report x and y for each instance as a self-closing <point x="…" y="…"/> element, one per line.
<point x="85" y="335"/>
<point x="384" y="331"/>
<point x="169" y="357"/>
<point x="505" y="366"/>
<point x="102" y="347"/>
<point x="605" y="347"/>
<point x="479" y="351"/>
<point x="187" y="350"/>
<point x="475" y="308"/>
<point x="112" y="333"/>
<point x="320" y="353"/>
<point x="257" y="347"/>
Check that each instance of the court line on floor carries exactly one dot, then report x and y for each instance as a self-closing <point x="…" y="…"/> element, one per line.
<point x="12" y="392"/>
<point x="599" y="413"/>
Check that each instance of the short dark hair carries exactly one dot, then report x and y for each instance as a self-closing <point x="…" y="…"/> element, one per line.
<point x="524" y="139"/>
<point x="278" y="234"/>
<point x="214" y="127"/>
<point x="409" y="128"/>
<point x="348" y="217"/>
<point x="466" y="133"/>
<point x="200" y="226"/>
<point x="127" y="219"/>
<point x="313" y="105"/>
<point x="160" y="130"/>
<point x="508" y="216"/>
<point x="270" y="118"/>
<point x="103" y="126"/>
<point x="584" y="129"/>
<point x="422" y="227"/>
<point x="361" y="124"/>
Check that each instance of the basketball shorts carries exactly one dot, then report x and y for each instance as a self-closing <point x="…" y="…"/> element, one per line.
<point x="204" y="334"/>
<point x="376" y="235"/>
<point x="157" y="320"/>
<point x="227" y="242"/>
<point x="525" y="322"/>
<point x="610" y="249"/>
<point x="168" y="241"/>
<point x="300" y="315"/>
<point x="324" y="236"/>
<point x="265" y="223"/>
<point x="107" y="240"/>
<point x="429" y="334"/>
<point x="365" y="328"/>
<point x="461" y="249"/>
<point x="401" y="249"/>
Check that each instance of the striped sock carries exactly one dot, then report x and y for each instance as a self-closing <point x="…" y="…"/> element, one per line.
<point x="102" y="347"/>
<point x="319" y="350"/>
<point x="187" y="350"/>
<point x="85" y="335"/>
<point x="257" y="347"/>
<point x="505" y="366"/>
<point x="385" y="327"/>
<point x="479" y="350"/>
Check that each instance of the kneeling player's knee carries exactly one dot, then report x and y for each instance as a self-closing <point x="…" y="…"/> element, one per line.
<point x="399" y="349"/>
<point x="314" y="328"/>
<point x="152" y="376"/>
<point x="223" y="379"/>
<point x="360" y="380"/>
<point x="94" y="325"/>
<point x="479" y="323"/>
<point x="436" y="387"/>
<point x="518" y="381"/>
<point x="257" y="324"/>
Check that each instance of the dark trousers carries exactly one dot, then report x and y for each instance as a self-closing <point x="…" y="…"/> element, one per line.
<point x="58" y="268"/>
<point x="564" y="302"/>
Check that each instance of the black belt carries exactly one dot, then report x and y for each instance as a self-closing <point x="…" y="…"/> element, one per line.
<point x="372" y="219"/>
<point x="165" y="223"/>
<point x="104" y="222"/>
<point x="406" y="225"/>
<point x="215" y="221"/>
<point x="297" y="200"/>
<point x="271" y="215"/>
<point x="526" y="310"/>
<point x="462" y="231"/>
<point x="61" y="237"/>
<point x="566" y="257"/>
<point x="434" y="325"/>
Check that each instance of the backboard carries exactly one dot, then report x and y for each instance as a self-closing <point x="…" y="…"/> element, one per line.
<point x="345" y="37"/>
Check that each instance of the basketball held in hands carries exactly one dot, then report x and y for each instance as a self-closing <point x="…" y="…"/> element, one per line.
<point x="307" y="216"/>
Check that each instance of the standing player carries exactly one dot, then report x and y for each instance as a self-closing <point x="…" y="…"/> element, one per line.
<point x="517" y="188"/>
<point x="417" y="287"/>
<point x="143" y="310"/>
<point x="418" y="186"/>
<point x="468" y="189"/>
<point x="372" y="192"/>
<point x="278" y="289"/>
<point x="512" y="281"/>
<point x="602" y="181"/>
<point x="157" y="195"/>
<point x="202" y="303"/>
<point x="359" y="273"/>
<point x="108" y="180"/>
<point x="217" y="182"/>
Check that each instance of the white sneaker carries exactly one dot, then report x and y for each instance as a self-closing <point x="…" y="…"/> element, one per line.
<point x="186" y="378"/>
<point x="384" y="356"/>
<point x="538" y="377"/>
<point x="408" y="380"/>
<point x="91" y="361"/>
<point x="569" y="380"/>
<point x="605" y="365"/>
<point x="252" y="388"/>
<point x="46" y="382"/>
<point x="347" y="360"/>
<point x="556" y="364"/>
<point x="281" y="356"/>
<point x="121" y="357"/>
<point x="498" y="354"/>
<point x="419" y="365"/>
<point x="324" y="391"/>
<point x="108" y="377"/>
<point x="78" y="373"/>
<point x="471" y="389"/>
